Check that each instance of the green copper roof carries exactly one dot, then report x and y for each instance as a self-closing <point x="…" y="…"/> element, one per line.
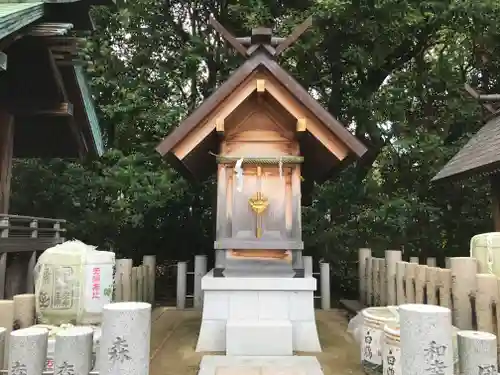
<point x="14" y="16"/>
<point x="90" y="110"/>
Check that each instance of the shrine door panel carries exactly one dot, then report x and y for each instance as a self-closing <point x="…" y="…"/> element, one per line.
<point x="273" y="221"/>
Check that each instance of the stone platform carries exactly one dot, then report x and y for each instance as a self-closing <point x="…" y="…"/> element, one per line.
<point x="227" y="365"/>
<point x="258" y="316"/>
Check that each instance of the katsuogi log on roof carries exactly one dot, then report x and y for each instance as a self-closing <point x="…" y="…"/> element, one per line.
<point x="261" y="103"/>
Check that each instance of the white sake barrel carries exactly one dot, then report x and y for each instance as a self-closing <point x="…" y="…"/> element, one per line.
<point x="391" y="350"/>
<point x="374" y="321"/>
<point x="73" y="282"/>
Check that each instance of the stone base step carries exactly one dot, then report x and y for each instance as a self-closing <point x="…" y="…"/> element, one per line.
<point x="269" y="365"/>
<point x="260" y="338"/>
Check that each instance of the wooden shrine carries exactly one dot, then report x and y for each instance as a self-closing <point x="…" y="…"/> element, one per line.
<point x="266" y="138"/>
<point x="46" y="109"/>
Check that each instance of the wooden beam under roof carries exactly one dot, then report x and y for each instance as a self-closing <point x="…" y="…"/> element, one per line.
<point x="58" y="78"/>
<point x="66" y="50"/>
<point x="61" y="109"/>
<point x="45" y="29"/>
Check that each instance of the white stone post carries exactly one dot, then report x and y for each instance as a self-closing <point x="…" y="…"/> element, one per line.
<point x="308" y="265"/>
<point x="150" y="261"/>
<point x="134" y="293"/>
<point x="426" y="340"/>
<point x="181" y="285"/>
<point x="200" y="270"/>
<point x="73" y="351"/>
<point x="364" y="256"/>
<point x="324" y="273"/>
<point x="463" y="286"/>
<point x="125" y="340"/>
<point x="140" y="281"/>
<point x="400" y="282"/>
<point x="447" y="263"/>
<point x="24" y="310"/>
<point x="123" y="280"/>
<point x="391" y="259"/>
<point x="477" y="352"/>
<point x="432" y="262"/>
<point x="28" y="351"/>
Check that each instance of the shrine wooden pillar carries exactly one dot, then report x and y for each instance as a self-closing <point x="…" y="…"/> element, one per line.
<point x="6" y="154"/>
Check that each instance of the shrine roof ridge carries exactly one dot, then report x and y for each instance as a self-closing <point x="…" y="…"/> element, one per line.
<point x="285" y="79"/>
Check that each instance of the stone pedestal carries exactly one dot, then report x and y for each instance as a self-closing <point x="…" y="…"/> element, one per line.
<point x="477" y="352"/>
<point x="125" y="340"/>
<point x="28" y="350"/>
<point x="426" y="340"/>
<point x="258" y="315"/>
<point x="73" y="351"/>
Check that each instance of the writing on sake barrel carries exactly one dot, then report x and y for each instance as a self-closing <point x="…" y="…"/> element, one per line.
<point x="391" y="350"/>
<point x="374" y="321"/>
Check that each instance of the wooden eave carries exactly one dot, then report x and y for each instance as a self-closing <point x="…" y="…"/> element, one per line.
<point x="15" y="16"/>
<point x="84" y="110"/>
<point x="235" y="85"/>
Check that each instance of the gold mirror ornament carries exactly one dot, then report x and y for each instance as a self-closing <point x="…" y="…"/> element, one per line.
<point x="258" y="204"/>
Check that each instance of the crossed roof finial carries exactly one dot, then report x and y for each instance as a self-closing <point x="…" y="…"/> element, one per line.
<point x="261" y="37"/>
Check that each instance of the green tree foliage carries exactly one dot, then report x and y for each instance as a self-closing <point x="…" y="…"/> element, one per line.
<point x="392" y="71"/>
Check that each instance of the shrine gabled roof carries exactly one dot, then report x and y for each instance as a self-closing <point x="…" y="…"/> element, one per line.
<point x="286" y="80"/>
<point x="481" y="155"/>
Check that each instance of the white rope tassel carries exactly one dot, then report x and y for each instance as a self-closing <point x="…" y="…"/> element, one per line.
<point x="239" y="175"/>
